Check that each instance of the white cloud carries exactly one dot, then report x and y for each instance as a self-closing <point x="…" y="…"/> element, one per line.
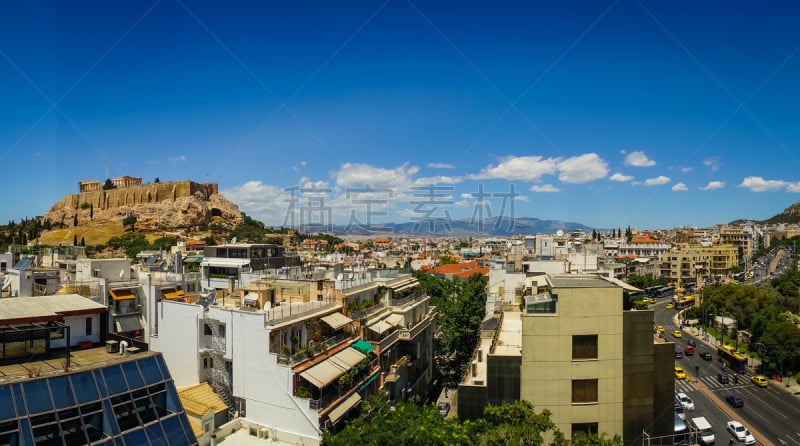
<point x="758" y="184"/>
<point x="360" y="175"/>
<point x="440" y="166"/>
<point x="261" y="201"/>
<point x="793" y="187"/>
<point x="686" y="169"/>
<point x="522" y="198"/>
<point x="620" y="177"/>
<point x="582" y="169"/>
<point x="526" y="168"/>
<point x="712" y="163"/>
<point x="177" y="159"/>
<point x="657" y="181"/>
<point x="439" y="179"/>
<point x="544" y="188"/>
<point x="299" y="167"/>
<point x="713" y="185"/>
<point x="679" y="187"/>
<point x="639" y="159"/>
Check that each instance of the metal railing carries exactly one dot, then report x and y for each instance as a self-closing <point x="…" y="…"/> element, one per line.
<point x="419" y="295"/>
<point x="324" y="345"/>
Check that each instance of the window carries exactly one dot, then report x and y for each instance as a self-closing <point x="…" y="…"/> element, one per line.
<point x="584" y="391"/>
<point x="579" y="429"/>
<point x="541" y="304"/>
<point x="584" y="347"/>
<point x="88" y="326"/>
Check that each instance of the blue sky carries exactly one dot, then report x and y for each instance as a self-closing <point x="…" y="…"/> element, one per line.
<point x="608" y="114"/>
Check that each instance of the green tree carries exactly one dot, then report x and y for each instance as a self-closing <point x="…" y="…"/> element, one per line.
<point x="108" y="185"/>
<point x="642" y="281"/>
<point x="131" y="243"/>
<point x="130" y="220"/>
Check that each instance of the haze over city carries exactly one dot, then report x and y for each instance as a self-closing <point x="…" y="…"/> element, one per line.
<point x="609" y="114"/>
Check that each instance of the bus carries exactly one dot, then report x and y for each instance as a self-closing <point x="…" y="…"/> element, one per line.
<point x="731" y="358"/>
<point x="651" y="291"/>
<point x="664" y="291"/>
<point x="683" y="302"/>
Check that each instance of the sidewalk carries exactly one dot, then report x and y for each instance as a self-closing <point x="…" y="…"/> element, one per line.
<point x="788" y="384"/>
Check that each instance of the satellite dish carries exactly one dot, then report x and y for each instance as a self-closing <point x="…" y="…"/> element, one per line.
<point x="559" y="233"/>
<point x="233" y="240"/>
<point x="339" y="277"/>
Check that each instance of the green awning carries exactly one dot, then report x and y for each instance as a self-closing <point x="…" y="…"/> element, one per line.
<point x="362" y="346"/>
<point x="193" y="260"/>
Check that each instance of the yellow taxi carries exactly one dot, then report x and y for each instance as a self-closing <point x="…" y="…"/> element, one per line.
<point x="660" y="329"/>
<point x="759" y="380"/>
<point x="679" y="373"/>
<point x="670" y="306"/>
<point x="677" y="334"/>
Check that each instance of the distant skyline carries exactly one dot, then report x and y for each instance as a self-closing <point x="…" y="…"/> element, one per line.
<point x="608" y="114"/>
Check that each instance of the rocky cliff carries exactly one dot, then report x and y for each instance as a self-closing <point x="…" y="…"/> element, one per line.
<point x="179" y="204"/>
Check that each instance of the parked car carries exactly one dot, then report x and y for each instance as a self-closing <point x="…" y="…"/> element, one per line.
<point x="759" y="380"/>
<point x="735" y="400"/>
<point x="685" y="401"/>
<point x="679" y="411"/>
<point x="660" y="329"/>
<point x="723" y="378"/>
<point x="706" y="355"/>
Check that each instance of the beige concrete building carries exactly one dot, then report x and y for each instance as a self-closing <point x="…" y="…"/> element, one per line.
<point x="593" y="365"/>
<point x="699" y="263"/>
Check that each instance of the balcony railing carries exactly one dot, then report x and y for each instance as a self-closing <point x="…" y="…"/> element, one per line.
<point x="366" y="313"/>
<point x="308" y="352"/>
<point x="408" y="300"/>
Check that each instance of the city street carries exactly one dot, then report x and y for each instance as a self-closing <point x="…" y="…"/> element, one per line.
<point x="770" y="413"/>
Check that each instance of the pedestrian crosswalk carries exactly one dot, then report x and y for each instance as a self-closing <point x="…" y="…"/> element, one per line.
<point x="710" y="382"/>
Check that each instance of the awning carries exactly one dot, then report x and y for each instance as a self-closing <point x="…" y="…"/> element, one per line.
<point x="342" y="409"/>
<point x="128" y="323"/>
<point x="336" y="320"/>
<point x="328" y="370"/>
<point x="362" y="346"/>
<point x="396" y="320"/>
<point x="347" y="358"/>
<point x="193" y="260"/>
<point x="222" y="261"/>
<point x="122" y="294"/>
<point x="380" y="327"/>
<point x="172" y="293"/>
<point x="406" y="286"/>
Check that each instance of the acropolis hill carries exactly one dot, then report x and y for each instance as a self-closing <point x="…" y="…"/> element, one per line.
<point x="176" y="204"/>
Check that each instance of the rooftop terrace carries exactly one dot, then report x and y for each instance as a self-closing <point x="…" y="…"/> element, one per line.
<point x="53" y="364"/>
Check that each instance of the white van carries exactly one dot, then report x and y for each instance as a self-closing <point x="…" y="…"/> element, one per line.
<point x="704" y="429"/>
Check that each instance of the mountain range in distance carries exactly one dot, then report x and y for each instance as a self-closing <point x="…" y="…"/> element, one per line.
<point x="437" y="227"/>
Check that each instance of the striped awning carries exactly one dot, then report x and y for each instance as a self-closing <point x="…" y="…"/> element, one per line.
<point x="336" y="320"/>
<point x="341" y="410"/>
<point x="395" y="320"/>
<point x="330" y="369"/>
<point x="380" y="327"/>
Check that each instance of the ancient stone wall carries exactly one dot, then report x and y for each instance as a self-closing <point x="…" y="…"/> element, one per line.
<point x="137" y="195"/>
